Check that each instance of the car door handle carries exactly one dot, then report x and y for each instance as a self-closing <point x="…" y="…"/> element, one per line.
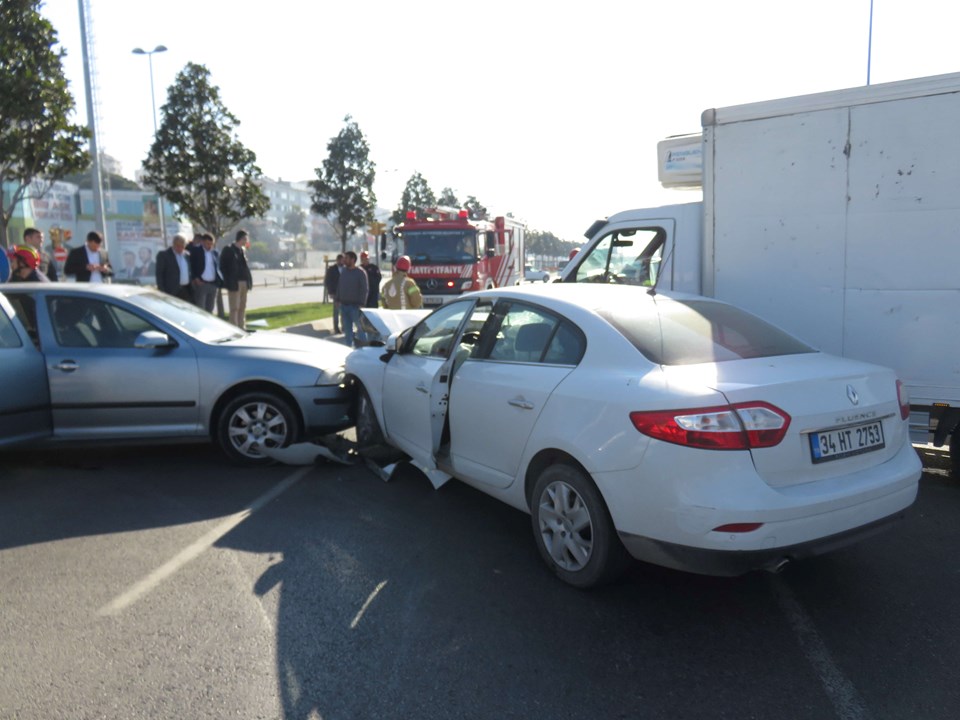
<point x="522" y="404"/>
<point x="423" y="388"/>
<point x="67" y="365"/>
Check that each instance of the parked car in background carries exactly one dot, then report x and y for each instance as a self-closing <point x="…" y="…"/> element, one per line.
<point x="532" y="275"/>
<point x="678" y="429"/>
<point x="120" y="362"/>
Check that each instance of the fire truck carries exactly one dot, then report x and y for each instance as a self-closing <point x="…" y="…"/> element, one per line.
<point x="451" y="254"/>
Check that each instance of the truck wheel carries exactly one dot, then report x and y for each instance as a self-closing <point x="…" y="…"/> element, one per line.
<point x="252" y="421"/>
<point x="573" y="529"/>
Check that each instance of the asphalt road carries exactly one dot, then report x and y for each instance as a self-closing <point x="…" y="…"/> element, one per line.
<point x="158" y="582"/>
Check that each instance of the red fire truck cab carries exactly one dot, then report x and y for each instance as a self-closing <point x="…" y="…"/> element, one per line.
<point x="451" y="254"/>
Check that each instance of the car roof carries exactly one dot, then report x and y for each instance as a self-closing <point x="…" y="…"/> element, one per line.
<point x="117" y="290"/>
<point x="591" y="296"/>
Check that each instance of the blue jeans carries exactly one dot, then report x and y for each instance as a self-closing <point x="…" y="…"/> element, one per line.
<point x="350" y="316"/>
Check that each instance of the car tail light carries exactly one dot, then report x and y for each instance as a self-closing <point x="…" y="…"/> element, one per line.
<point x="726" y="427"/>
<point x="903" y="397"/>
<point x="738" y="527"/>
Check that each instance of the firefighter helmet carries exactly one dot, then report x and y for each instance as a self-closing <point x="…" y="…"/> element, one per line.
<point x="28" y="256"/>
<point x="403" y="263"/>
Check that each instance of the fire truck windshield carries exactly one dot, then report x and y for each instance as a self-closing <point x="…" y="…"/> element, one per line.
<point x="441" y="246"/>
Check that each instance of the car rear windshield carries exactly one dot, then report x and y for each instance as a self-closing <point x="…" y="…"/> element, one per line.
<point x="691" y="331"/>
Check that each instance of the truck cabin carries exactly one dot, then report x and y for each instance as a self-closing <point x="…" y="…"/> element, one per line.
<point x="626" y="256"/>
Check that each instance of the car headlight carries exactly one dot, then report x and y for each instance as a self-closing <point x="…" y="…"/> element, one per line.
<point x="466" y="285"/>
<point x="333" y="376"/>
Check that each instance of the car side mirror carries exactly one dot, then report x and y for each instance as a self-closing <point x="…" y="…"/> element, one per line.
<point x="153" y="340"/>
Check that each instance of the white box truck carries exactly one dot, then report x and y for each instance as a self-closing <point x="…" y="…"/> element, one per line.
<point x="834" y="215"/>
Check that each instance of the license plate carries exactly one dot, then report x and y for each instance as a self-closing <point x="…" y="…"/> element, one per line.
<point x="431" y="301"/>
<point x="836" y="444"/>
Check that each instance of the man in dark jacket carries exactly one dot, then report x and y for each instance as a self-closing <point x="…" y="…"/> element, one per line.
<point x="331" y="282"/>
<point x="374" y="276"/>
<point x="205" y="277"/>
<point x="173" y="269"/>
<point x="237" y="278"/>
<point x="89" y="263"/>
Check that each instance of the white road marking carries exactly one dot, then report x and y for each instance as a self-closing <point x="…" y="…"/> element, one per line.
<point x="376" y="591"/>
<point x="148" y="583"/>
<point x="842" y="694"/>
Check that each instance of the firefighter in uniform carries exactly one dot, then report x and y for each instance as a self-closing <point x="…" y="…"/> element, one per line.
<point x="401" y="292"/>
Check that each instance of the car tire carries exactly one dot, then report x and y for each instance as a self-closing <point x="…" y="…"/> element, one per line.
<point x="252" y="420"/>
<point x="573" y="529"/>
<point x="371" y="442"/>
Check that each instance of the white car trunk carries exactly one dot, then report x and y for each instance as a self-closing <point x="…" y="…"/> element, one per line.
<point x="843" y="406"/>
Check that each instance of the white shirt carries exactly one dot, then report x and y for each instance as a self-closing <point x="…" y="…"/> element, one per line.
<point x="209" y="265"/>
<point x="184" y="267"/>
<point x="93" y="258"/>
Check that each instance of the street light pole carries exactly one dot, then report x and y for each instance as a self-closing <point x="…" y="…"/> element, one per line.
<point x="153" y="107"/>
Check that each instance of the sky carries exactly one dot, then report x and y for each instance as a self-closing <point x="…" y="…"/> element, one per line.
<point x="549" y="110"/>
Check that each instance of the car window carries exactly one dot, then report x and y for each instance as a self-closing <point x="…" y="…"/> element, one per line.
<point x="90" y="322"/>
<point x="695" y="331"/>
<point x="434" y="335"/>
<point x="8" y="334"/>
<point x="26" y="309"/>
<point x="518" y="332"/>
<point x="627" y="257"/>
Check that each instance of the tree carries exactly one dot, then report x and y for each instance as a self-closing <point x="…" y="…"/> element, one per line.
<point x="448" y="198"/>
<point x="198" y="163"/>
<point x="475" y="210"/>
<point x="295" y="222"/>
<point x="38" y="146"/>
<point x="344" y="185"/>
<point x="417" y="196"/>
<point x="546" y="243"/>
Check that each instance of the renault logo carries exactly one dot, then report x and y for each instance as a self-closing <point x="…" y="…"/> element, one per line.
<point x="852" y="395"/>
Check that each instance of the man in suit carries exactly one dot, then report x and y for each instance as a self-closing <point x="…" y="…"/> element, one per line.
<point x="237" y="278"/>
<point x="205" y="279"/>
<point x="89" y="263"/>
<point x="173" y="269"/>
<point x="331" y="281"/>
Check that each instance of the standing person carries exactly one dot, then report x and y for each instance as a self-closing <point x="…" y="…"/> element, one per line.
<point x="34" y="238"/>
<point x="204" y="273"/>
<point x="89" y="263"/>
<point x="374" y="276"/>
<point x="237" y="278"/>
<point x="25" y="264"/>
<point x="401" y="292"/>
<point x="352" y="293"/>
<point x="331" y="282"/>
<point x="173" y="269"/>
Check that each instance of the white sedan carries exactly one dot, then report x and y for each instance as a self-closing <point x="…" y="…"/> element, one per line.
<point x="675" y="429"/>
<point x="531" y="274"/>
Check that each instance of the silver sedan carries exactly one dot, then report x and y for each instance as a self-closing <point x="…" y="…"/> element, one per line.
<point x="117" y="363"/>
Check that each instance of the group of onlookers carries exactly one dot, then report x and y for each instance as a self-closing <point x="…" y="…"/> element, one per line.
<point x="29" y="262"/>
<point x="193" y="272"/>
<point x="352" y="287"/>
<point x="196" y="272"/>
